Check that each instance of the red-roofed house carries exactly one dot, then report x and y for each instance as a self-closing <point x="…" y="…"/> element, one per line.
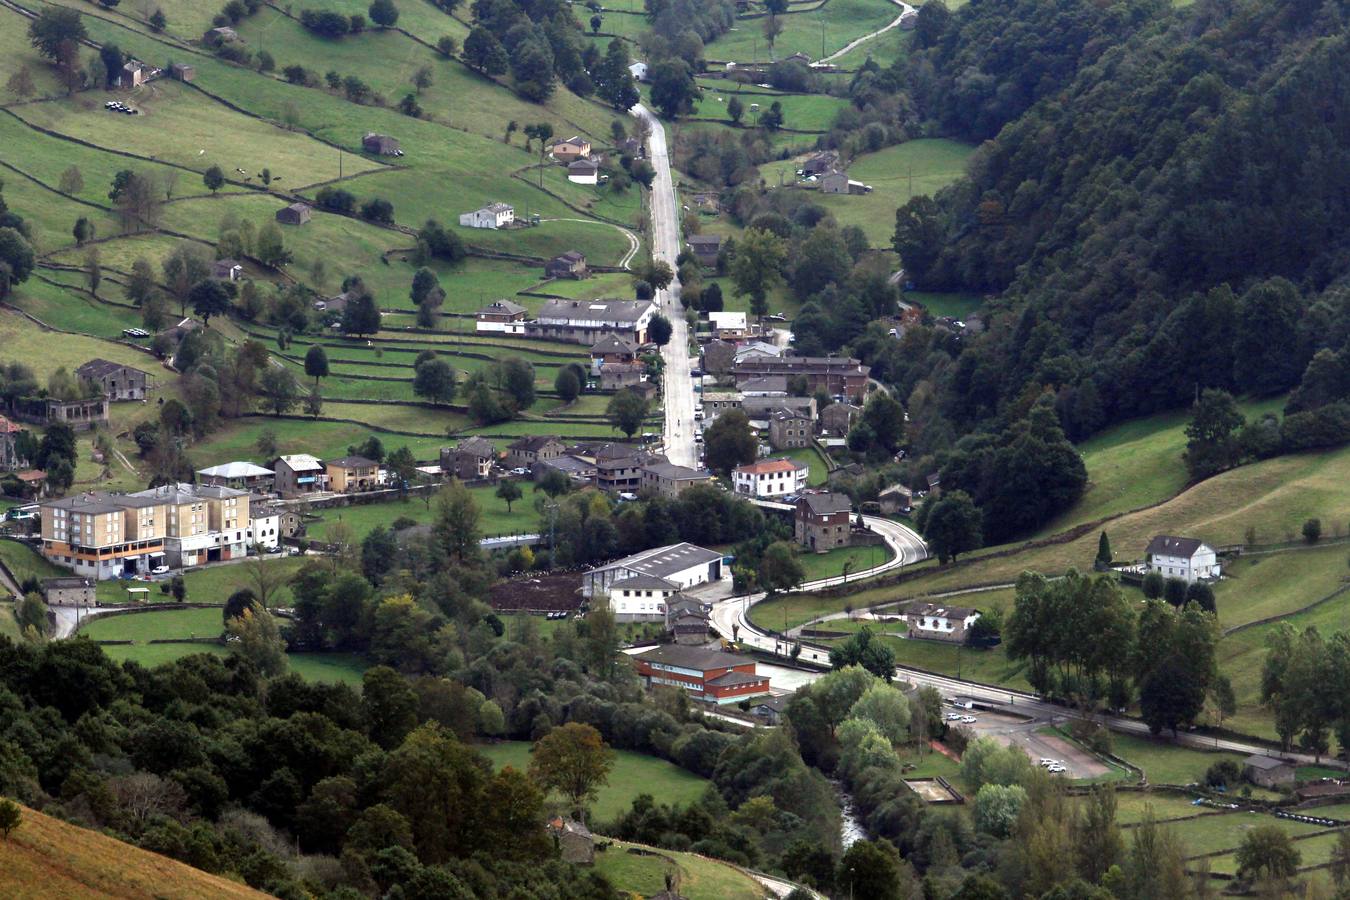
<point x="770" y="478"/>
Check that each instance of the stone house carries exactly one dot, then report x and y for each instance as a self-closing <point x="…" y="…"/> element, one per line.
<point x="574" y="841"/>
<point x="471" y="460"/>
<point x="1268" y="771"/>
<point x="837" y="419"/>
<point x="117" y="381"/>
<point x="789" y="429"/>
<point x="669" y="480"/>
<point x="295" y="214"/>
<point x="571" y="264"/>
<point x="527" y="451"/>
<point x="822" y="521"/>
<point x="382" y="144"/>
<point x="69" y="592"/>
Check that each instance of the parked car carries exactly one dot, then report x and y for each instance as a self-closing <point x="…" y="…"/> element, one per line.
<point x="160" y="570"/>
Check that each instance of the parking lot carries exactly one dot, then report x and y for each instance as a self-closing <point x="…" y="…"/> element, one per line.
<point x="1015" y="730"/>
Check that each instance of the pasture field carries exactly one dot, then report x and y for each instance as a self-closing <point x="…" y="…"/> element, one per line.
<point x="23" y="341"/>
<point x="915" y="168"/>
<point x="834" y="25"/>
<point x="614" y="285"/>
<point x="700" y="878"/>
<point x="386" y="60"/>
<point x="957" y="305"/>
<point x="1262" y="585"/>
<point x="49" y="215"/>
<point x="1273" y="497"/>
<point x="16" y="53"/>
<point x="159" y="624"/>
<point x="212" y="584"/>
<point x="811" y="456"/>
<point x="44" y="157"/>
<point x="1164" y="762"/>
<point x="24" y="562"/>
<point x="494" y="521"/>
<point x="1134" y="806"/>
<point x="1209" y="834"/>
<point x="801" y="112"/>
<point x="74" y="311"/>
<point x="1136" y="464"/>
<point x="181" y="126"/>
<point x="831" y="564"/>
<point x="633" y="774"/>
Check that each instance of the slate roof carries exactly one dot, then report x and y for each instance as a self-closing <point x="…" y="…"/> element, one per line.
<point x="827" y="503"/>
<point x="98" y="368"/>
<point x="352" y="462"/>
<point x="1165" y="545"/>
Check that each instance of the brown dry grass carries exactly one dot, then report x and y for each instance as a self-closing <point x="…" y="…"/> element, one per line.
<point x="47" y="859"/>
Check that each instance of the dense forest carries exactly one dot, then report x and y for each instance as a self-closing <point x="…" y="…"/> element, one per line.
<point x="1172" y="219"/>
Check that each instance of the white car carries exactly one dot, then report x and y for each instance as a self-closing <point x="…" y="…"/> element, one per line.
<point x="1047" y="762"/>
<point x="160" y="570"/>
<point x="1056" y="770"/>
<point x="968" y="720"/>
<point x="953" y="717"/>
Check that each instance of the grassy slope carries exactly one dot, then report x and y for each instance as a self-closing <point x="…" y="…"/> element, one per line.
<point x="46" y="859"/>
<point x="495" y="518"/>
<point x="843" y="21"/>
<point x="633" y="774"/>
<point x="1137" y="464"/>
<point x="933" y="163"/>
<point x="700" y="878"/>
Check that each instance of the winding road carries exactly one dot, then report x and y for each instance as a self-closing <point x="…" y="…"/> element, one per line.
<point x="905" y="9"/>
<point x="677" y="382"/>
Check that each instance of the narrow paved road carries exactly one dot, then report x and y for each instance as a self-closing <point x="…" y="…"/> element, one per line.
<point x="905" y="9"/>
<point x="730" y="619"/>
<point x="679" y="388"/>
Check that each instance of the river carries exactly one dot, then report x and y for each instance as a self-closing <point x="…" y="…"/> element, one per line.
<point x="851" y="828"/>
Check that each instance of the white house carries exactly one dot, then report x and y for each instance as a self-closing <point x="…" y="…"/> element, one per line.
<point x="683" y="565"/>
<point x="641" y="598"/>
<point x="264" y="527"/>
<point x="729" y="326"/>
<point x="1186" y="558"/>
<point x="940" y="623"/>
<point x="638" y="70"/>
<point x="583" y="171"/>
<point x="494" y="215"/>
<point x="770" y="478"/>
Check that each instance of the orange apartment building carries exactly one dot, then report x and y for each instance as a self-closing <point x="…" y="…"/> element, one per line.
<point x="101" y="535"/>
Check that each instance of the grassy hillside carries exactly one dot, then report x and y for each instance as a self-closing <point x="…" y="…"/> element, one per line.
<point x="633" y="774"/>
<point x="47" y="859"/>
<point x="698" y="877"/>
<point x="919" y="167"/>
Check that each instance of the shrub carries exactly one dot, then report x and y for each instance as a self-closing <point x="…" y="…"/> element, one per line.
<point x="1223" y="774"/>
<point x="1312" y="531"/>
